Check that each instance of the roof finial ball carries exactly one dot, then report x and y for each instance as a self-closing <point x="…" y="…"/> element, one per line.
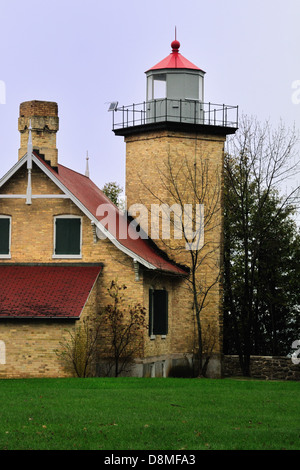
<point x="175" y="45"/>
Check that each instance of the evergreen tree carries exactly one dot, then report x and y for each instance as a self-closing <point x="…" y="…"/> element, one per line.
<point x="261" y="246"/>
<point x="113" y="191"/>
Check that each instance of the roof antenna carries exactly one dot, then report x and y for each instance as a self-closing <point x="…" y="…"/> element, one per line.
<point x="175" y="34"/>
<point x="87" y="171"/>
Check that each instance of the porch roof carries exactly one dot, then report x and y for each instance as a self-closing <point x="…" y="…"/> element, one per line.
<point x="45" y="291"/>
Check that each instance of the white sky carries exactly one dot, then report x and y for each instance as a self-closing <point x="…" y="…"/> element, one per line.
<point x="84" y="54"/>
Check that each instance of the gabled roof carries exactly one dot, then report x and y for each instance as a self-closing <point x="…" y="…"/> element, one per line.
<point x="88" y="197"/>
<point x="45" y="291"/>
<point x="92" y="197"/>
<point x="175" y="60"/>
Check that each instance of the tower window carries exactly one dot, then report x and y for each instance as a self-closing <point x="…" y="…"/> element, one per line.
<point x="157" y="86"/>
<point x="160" y="86"/>
<point x="5" y="223"/>
<point x="67" y="236"/>
<point x="158" y="312"/>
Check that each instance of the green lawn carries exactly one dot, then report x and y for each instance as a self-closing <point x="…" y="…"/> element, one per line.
<point x="149" y="414"/>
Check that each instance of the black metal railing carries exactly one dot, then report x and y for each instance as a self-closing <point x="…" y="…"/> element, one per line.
<point x="187" y="111"/>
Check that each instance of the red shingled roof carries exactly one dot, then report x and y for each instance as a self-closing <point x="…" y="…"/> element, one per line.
<point x="92" y="198"/>
<point x="45" y="291"/>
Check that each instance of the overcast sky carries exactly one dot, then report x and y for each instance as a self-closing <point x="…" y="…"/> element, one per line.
<point x="84" y="54"/>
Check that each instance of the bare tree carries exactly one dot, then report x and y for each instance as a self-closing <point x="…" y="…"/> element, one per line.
<point x="123" y="328"/>
<point x="80" y="351"/>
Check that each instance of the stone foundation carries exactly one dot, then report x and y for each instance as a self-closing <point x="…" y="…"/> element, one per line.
<point x="263" y="367"/>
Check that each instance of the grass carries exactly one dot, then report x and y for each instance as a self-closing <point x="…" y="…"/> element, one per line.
<point x="148" y="414"/>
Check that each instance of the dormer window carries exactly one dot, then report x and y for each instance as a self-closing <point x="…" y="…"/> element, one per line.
<point x="5" y="235"/>
<point x="67" y="236"/>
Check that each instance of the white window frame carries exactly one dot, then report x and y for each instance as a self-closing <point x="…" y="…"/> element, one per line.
<point x="2" y="353"/>
<point x="66" y="216"/>
<point x="8" y="256"/>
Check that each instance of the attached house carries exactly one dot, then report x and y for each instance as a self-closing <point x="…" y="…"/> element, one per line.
<point x="57" y="259"/>
<point x="62" y="241"/>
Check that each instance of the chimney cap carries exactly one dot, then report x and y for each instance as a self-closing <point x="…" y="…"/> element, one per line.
<point x="38" y="108"/>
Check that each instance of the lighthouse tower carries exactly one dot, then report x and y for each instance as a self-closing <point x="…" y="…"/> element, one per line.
<point x="175" y="150"/>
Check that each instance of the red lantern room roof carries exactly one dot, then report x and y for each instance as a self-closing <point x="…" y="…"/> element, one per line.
<point x="175" y="60"/>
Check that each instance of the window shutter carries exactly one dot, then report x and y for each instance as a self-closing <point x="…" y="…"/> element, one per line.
<point x="4" y="236"/>
<point x="160" y="301"/>
<point x="67" y="236"/>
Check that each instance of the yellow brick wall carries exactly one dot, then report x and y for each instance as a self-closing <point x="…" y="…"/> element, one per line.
<point x="180" y="337"/>
<point x="30" y="348"/>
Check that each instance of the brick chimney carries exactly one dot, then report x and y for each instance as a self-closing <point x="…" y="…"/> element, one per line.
<point x="44" y="124"/>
